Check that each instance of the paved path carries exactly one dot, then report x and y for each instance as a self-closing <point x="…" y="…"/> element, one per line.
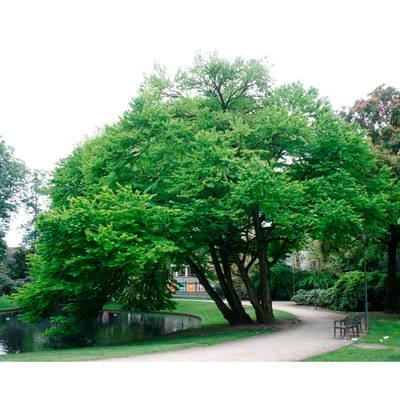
<point x="294" y="341"/>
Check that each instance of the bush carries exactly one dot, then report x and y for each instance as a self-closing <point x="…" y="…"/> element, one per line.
<point x="307" y="297"/>
<point x="6" y="284"/>
<point x="301" y="297"/>
<point x="325" y="297"/>
<point x="348" y="293"/>
<point x="281" y="282"/>
<point x="377" y="284"/>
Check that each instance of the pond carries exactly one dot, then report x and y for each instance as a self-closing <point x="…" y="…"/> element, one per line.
<point x="111" y="327"/>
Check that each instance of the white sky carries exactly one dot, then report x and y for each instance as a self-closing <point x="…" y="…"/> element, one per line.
<point x="67" y="67"/>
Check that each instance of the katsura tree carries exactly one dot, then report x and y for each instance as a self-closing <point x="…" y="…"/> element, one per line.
<point x="379" y="117"/>
<point x="214" y="169"/>
<point x="108" y="247"/>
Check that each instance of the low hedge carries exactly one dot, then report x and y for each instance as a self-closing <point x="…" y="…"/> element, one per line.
<point x="307" y="297"/>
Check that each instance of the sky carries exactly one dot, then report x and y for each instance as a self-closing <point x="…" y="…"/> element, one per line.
<point x="67" y="68"/>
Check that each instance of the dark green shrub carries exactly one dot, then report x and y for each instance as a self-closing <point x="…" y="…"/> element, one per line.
<point x="325" y="297"/>
<point x="305" y="297"/>
<point x="348" y="293"/>
<point x="281" y="282"/>
<point x="6" y="284"/>
<point x="20" y="282"/>
<point x="9" y="286"/>
<point x="300" y="296"/>
<point x="377" y="284"/>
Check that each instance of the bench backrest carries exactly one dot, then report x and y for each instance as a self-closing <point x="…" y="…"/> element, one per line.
<point x="352" y="320"/>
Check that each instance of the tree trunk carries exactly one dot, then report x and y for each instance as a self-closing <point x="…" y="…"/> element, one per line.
<point x="260" y="315"/>
<point x="232" y="318"/>
<point x="225" y="280"/>
<point x="392" y="303"/>
<point x="265" y="289"/>
<point x="237" y="305"/>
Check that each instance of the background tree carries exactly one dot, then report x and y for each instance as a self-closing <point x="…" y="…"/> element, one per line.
<point x="35" y="202"/>
<point x="14" y="270"/>
<point x="12" y="173"/>
<point x="230" y="176"/>
<point x="379" y="116"/>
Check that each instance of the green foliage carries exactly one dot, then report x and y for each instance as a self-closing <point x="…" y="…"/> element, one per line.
<point x="281" y="282"/>
<point x="9" y="286"/>
<point x="215" y="169"/>
<point x="15" y="264"/>
<point x="112" y="247"/>
<point x="14" y="271"/>
<point x="376" y="288"/>
<point x="323" y="280"/>
<point x="323" y="297"/>
<point x="229" y="85"/>
<point x="12" y="172"/>
<point x="379" y="116"/>
<point x="34" y="201"/>
<point x="348" y="292"/>
<point x="6" y="284"/>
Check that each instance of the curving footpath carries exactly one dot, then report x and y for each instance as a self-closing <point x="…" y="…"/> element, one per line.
<point x="312" y="335"/>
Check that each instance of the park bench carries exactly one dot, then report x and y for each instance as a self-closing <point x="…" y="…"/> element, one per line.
<point x="351" y="323"/>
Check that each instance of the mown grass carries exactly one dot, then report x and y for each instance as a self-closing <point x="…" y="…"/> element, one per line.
<point x="5" y="303"/>
<point x="212" y="330"/>
<point x="383" y="333"/>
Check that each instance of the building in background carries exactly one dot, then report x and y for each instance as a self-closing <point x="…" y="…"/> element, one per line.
<point x="187" y="283"/>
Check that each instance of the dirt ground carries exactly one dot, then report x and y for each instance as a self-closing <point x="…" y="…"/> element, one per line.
<point x="312" y="334"/>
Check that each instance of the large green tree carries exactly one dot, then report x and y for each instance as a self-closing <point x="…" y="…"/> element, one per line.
<point x="214" y="169"/>
<point x="379" y="116"/>
<point x="12" y="173"/>
<point x="108" y="247"/>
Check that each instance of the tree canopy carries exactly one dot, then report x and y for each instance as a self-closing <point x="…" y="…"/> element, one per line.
<point x="214" y="169"/>
<point x="12" y="173"/>
<point x="379" y="117"/>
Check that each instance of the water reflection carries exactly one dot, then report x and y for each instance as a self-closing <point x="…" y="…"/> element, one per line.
<point x="111" y="327"/>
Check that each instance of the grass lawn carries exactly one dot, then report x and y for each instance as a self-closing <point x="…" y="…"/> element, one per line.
<point x="372" y="347"/>
<point x="212" y="330"/>
<point x="5" y="303"/>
